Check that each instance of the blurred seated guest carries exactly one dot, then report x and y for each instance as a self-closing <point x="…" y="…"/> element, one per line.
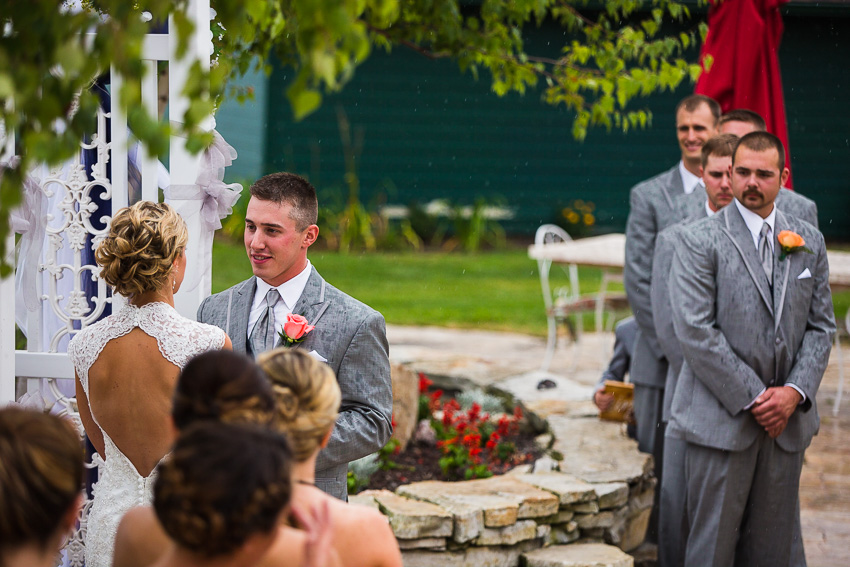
<point x="126" y="364"/>
<point x="308" y="399"/>
<point x="41" y="478"/>
<point x="221" y="495"/>
<point x="625" y="334"/>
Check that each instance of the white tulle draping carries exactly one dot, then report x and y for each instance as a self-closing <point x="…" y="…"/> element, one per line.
<point x="30" y="220"/>
<point x="218" y="199"/>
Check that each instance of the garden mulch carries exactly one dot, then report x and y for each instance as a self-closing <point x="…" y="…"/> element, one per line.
<point x="420" y="461"/>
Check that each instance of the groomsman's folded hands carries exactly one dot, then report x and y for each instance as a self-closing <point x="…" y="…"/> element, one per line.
<point x="773" y="408"/>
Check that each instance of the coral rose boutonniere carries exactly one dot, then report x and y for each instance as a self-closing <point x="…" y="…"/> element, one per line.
<point x="294" y="330"/>
<point x="791" y="242"/>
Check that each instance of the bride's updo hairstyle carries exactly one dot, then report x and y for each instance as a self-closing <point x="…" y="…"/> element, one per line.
<point x="41" y="476"/>
<point x="138" y="254"/>
<point x="221" y="385"/>
<point x="222" y="484"/>
<point x="307" y="395"/>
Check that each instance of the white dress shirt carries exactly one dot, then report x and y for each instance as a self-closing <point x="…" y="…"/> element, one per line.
<point x="290" y="292"/>
<point x="754" y="224"/>
<point x="689" y="180"/>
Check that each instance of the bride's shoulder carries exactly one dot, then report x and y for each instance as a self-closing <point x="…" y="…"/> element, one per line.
<point x="196" y="335"/>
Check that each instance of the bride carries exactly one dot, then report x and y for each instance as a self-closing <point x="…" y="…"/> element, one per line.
<point x="126" y="365"/>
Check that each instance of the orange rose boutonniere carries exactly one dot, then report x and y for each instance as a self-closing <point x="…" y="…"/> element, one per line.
<point x="791" y="242"/>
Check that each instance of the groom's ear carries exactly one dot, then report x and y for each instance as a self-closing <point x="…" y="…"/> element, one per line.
<point x="311" y="233"/>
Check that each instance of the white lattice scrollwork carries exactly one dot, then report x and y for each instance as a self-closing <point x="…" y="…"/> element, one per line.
<point x="79" y="234"/>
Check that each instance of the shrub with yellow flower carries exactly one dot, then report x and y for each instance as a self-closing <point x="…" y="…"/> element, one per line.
<point x="577" y="218"/>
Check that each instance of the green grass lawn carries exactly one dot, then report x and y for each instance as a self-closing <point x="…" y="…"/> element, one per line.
<point x="497" y="290"/>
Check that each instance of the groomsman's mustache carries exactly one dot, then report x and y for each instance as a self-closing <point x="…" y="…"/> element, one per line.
<point x="753" y="192"/>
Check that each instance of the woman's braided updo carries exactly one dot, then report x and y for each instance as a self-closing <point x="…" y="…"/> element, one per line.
<point x="144" y="241"/>
<point x="307" y="394"/>
<point x="221" y="385"/>
<point x="222" y="484"/>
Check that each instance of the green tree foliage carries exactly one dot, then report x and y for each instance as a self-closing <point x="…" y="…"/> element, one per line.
<point x="49" y="55"/>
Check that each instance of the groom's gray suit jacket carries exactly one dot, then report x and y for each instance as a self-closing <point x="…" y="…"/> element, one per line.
<point x="738" y="337"/>
<point x="352" y="337"/>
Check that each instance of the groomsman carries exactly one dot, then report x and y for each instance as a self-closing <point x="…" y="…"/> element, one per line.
<point x="716" y="162"/>
<point x="753" y="311"/>
<point x="655" y="204"/>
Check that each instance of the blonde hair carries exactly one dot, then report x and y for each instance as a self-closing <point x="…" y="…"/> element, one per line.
<point x="307" y="394"/>
<point x="144" y="241"/>
<point x="41" y="476"/>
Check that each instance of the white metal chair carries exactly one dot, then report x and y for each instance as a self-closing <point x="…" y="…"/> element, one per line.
<point x="565" y="301"/>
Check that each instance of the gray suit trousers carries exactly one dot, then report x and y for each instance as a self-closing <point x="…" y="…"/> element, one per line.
<point x="742" y="523"/>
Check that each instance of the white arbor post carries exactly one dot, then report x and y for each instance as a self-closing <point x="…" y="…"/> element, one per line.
<point x="190" y="296"/>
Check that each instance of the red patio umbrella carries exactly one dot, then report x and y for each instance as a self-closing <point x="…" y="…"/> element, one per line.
<point x="743" y="38"/>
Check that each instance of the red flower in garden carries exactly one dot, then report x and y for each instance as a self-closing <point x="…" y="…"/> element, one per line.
<point x="472" y="440"/>
<point x="424" y="383"/>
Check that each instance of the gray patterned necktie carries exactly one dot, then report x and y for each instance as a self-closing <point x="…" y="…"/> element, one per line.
<point x="263" y="337"/>
<point x="765" y="253"/>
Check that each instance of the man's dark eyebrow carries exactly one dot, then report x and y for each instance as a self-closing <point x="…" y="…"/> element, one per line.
<point x="265" y="224"/>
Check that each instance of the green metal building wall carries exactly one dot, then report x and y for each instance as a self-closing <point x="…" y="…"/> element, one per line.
<point x="430" y="132"/>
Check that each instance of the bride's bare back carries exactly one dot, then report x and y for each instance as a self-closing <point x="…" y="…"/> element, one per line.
<point x="130" y="390"/>
<point x="127" y="366"/>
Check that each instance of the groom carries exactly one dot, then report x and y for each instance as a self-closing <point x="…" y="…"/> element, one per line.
<point x="280" y="225"/>
<point x="753" y="312"/>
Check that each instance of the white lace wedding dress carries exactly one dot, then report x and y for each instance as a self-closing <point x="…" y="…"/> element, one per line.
<point x="120" y="486"/>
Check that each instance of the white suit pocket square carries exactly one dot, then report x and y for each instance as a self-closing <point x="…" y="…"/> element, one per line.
<point x="805" y="274"/>
<point x="317" y="356"/>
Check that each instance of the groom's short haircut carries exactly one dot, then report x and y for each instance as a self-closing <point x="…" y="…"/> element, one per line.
<point x="721" y="145"/>
<point x="293" y="190"/>
<point x="762" y="142"/>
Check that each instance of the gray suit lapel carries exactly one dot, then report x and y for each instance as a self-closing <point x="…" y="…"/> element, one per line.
<point x="781" y="269"/>
<point x="737" y="231"/>
<point x="312" y="303"/>
<point x="673" y="188"/>
<point x="239" y="311"/>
